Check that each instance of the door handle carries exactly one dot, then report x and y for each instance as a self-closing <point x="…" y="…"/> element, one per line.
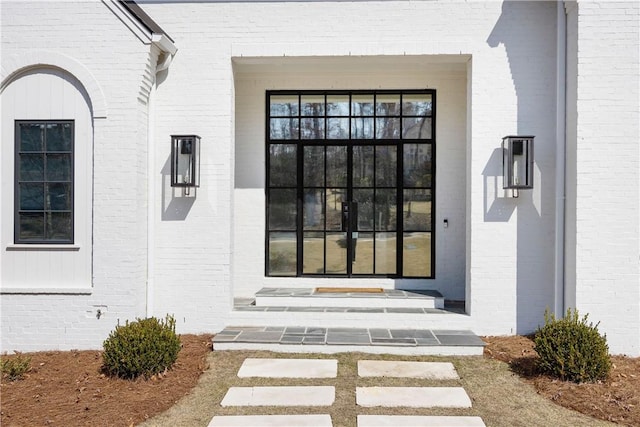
<point x="345" y="216"/>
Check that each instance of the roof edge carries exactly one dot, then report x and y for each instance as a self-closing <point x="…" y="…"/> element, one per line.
<point x="145" y="20"/>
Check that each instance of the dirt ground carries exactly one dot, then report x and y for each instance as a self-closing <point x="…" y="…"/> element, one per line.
<point x="68" y="388"/>
<point x="616" y="400"/>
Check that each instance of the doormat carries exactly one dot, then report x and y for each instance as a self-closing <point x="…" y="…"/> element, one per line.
<point x="350" y="290"/>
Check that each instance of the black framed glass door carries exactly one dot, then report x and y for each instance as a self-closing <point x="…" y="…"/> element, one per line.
<point x="349" y="183"/>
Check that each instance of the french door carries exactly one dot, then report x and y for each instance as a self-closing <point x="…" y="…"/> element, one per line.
<point x="350" y="183"/>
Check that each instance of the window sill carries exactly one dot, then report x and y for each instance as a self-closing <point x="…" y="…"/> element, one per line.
<point x="42" y="247"/>
<point x="44" y="291"/>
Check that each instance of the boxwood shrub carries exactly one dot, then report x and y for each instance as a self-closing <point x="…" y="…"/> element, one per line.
<point x="144" y="347"/>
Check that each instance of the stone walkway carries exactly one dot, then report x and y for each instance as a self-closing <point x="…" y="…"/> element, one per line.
<point x="324" y="396"/>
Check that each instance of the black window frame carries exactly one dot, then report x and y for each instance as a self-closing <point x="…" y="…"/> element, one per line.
<point x="44" y="181"/>
<point x="400" y="141"/>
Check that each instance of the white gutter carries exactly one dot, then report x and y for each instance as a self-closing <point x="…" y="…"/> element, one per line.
<point x="561" y="143"/>
<point x="167" y="52"/>
<point x="151" y="205"/>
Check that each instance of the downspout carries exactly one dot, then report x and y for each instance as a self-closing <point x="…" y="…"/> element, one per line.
<point x="561" y="143"/>
<point x="167" y="52"/>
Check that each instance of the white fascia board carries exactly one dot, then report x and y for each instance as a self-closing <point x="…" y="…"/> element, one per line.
<point x="139" y="30"/>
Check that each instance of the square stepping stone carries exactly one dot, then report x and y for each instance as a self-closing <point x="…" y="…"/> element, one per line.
<point x="289" y="368"/>
<point x="271" y="421"/>
<point x="280" y="396"/>
<point x="413" y="397"/>
<point x="397" y="369"/>
<point x="417" y="420"/>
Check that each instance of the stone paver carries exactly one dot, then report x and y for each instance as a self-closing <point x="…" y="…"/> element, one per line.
<point x="288" y="368"/>
<point x="280" y="396"/>
<point x="430" y="370"/>
<point x="416" y="421"/>
<point x="271" y="421"/>
<point x="413" y="397"/>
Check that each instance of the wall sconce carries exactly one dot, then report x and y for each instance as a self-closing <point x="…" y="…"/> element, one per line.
<point x="517" y="163"/>
<point x="185" y="161"/>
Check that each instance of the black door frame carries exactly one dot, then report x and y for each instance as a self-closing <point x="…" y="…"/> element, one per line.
<point x="350" y="143"/>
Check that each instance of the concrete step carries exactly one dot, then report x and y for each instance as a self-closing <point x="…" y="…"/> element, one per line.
<point x="301" y="339"/>
<point x="247" y="314"/>
<point x="348" y="297"/>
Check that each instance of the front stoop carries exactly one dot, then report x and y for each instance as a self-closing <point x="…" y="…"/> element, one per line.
<point x="390" y="321"/>
<point x="386" y="298"/>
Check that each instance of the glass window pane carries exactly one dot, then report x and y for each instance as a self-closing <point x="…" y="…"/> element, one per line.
<point x="58" y="167"/>
<point x="386" y="244"/>
<point x="31" y="167"/>
<point x="336" y="166"/>
<point x="312" y="105"/>
<point x="31" y="137"/>
<point x="282" y="254"/>
<point x="313" y="253"/>
<point x="31" y="225"/>
<point x="337" y="105"/>
<point x="58" y="225"/>
<point x="388" y="128"/>
<point x="417" y="210"/>
<point x="282" y="165"/>
<point x="312" y="128"/>
<point x="385" y="210"/>
<point x="362" y="128"/>
<point x="333" y="208"/>
<point x="313" y="209"/>
<point x="284" y="128"/>
<point x="31" y="196"/>
<point x="416" y="255"/>
<point x="417" y="165"/>
<point x="364" y="200"/>
<point x="362" y="255"/>
<point x="386" y="166"/>
<point x="416" y="128"/>
<point x="363" y="166"/>
<point x="337" y="128"/>
<point x="362" y="105"/>
<point x="388" y="104"/>
<point x="336" y="253"/>
<point x="282" y="209"/>
<point x="58" y="197"/>
<point x="416" y="104"/>
<point x="283" y="105"/>
<point x="313" y="166"/>
<point x="59" y="137"/>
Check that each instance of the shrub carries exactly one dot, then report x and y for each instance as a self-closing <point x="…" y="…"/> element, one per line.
<point x="571" y="349"/>
<point x="144" y="347"/>
<point x="15" y="367"/>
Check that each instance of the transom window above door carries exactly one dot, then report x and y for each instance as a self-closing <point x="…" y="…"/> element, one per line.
<point x="350" y="183"/>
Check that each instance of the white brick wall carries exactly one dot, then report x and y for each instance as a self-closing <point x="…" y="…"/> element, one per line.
<point x="512" y="90"/>
<point x="607" y="242"/>
<point x="91" y="34"/>
<point x="209" y="247"/>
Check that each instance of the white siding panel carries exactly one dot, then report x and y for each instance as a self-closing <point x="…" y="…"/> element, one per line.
<point x="47" y="94"/>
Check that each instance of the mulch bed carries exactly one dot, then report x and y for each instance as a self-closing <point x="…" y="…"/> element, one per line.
<point x="617" y="399"/>
<point x="66" y="388"/>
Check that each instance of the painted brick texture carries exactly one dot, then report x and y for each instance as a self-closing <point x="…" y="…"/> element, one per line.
<point x="91" y="34"/>
<point x="607" y="278"/>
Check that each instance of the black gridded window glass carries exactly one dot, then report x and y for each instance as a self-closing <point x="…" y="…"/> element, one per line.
<point x="350" y="183"/>
<point x="44" y="181"/>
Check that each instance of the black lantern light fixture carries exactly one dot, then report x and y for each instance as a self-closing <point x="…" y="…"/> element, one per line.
<point x="517" y="163"/>
<point x="185" y="161"/>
